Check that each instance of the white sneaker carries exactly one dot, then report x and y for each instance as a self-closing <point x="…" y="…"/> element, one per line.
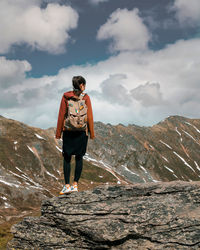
<point x="74" y="188"/>
<point x="66" y="189"/>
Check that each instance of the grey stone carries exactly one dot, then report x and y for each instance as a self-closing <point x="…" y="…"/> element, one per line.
<point x="141" y="216"/>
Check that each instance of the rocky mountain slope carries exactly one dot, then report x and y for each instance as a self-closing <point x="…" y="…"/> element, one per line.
<point x="31" y="159"/>
<point x="141" y="216"/>
<point x="166" y="151"/>
<point x="31" y="169"/>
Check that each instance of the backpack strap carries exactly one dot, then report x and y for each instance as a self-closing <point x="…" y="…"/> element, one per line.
<point x="82" y="95"/>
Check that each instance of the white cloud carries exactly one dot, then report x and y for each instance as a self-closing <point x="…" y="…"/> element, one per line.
<point x="113" y="91"/>
<point x="187" y="11"/>
<point x="17" y="91"/>
<point x="126" y="30"/>
<point x="117" y="86"/>
<point x="148" y="94"/>
<point x="97" y="1"/>
<point x="43" y="29"/>
<point x="12" y="71"/>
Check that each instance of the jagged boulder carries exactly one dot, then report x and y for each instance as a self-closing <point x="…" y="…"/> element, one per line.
<point x="142" y="216"/>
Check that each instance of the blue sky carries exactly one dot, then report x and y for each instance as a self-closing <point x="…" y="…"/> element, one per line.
<point x="140" y="58"/>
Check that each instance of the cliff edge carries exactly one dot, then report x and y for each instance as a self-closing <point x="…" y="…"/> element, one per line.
<point x="142" y="216"/>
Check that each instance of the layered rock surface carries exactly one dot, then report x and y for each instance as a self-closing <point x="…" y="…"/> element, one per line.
<point x="141" y="216"/>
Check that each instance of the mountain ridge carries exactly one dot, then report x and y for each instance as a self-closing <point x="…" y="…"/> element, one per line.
<point x="31" y="159"/>
<point x="147" y="149"/>
<point x="109" y="124"/>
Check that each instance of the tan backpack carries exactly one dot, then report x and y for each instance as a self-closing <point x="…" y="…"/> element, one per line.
<point x="76" y="119"/>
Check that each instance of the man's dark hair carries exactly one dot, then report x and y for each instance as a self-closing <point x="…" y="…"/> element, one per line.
<point x="76" y="81"/>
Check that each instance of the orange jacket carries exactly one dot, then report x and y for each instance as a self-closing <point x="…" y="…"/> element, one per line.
<point x="63" y="112"/>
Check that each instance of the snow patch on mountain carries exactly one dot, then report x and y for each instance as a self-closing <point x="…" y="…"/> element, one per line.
<point x="107" y="167"/>
<point x="30" y="149"/>
<point x="32" y="181"/>
<point x="197" y="165"/>
<point x="169" y="169"/>
<point x="19" y="169"/>
<point x="184" y="161"/>
<point x="165" y="159"/>
<point x="191" y="137"/>
<point x="9" y="183"/>
<point x="165" y="144"/>
<point x="193" y="127"/>
<point x="59" y="149"/>
<point x="7" y="205"/>
<point x="40" y="137"/>
<point x="144" y="169"/>
<point x="178" y="131"/>
<point x="51" y="175"/>
<point x="131" y="172"/>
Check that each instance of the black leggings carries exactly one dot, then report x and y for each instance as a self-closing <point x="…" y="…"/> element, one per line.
<point x="67" y="167"/>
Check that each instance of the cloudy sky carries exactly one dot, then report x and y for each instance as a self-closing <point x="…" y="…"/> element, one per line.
<point x="140" y="58"/>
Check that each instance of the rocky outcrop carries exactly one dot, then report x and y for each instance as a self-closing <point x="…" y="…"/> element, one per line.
<point x="141" y="216"/>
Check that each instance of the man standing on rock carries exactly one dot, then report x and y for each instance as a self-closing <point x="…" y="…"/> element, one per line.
<point x="75" y="120"/>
